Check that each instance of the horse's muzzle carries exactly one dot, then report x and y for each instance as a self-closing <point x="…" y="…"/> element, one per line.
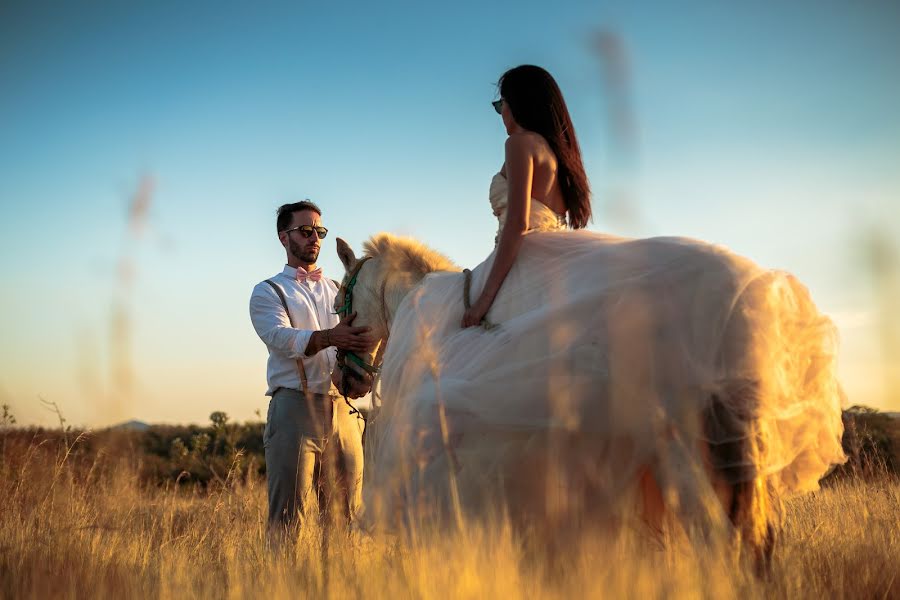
<point x="352" y="383"/>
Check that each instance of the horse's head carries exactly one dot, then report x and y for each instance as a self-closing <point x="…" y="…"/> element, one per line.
<point x="374" y="286"/>
<point x="362" y="292"/>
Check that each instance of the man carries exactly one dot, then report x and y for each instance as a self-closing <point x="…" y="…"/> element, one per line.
<point x="311" y="436"/>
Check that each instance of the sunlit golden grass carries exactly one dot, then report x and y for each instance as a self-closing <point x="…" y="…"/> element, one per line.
<point x="78" y="526"/>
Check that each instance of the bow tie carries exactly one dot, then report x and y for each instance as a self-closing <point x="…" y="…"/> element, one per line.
<point x="314" y="275"/>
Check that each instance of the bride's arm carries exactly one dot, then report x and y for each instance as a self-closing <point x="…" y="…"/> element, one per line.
<point x="520" y="171"/>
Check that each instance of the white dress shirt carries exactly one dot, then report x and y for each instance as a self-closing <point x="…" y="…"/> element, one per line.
<point x="312" y="307"/>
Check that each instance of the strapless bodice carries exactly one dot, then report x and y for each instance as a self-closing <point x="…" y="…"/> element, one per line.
<point x="540" y="218"/>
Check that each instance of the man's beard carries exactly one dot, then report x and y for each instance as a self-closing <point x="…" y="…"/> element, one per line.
<point x="302" y="254"/>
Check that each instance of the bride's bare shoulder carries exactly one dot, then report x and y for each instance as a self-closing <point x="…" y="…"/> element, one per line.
<point x="525" y="145"/>
<point x="526" y="140"/>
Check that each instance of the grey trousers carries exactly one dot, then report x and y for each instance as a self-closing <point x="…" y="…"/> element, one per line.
<point x="314" y="458"/>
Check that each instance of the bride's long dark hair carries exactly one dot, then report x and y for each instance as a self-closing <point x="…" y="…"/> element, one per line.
<point x="537" y="104"/>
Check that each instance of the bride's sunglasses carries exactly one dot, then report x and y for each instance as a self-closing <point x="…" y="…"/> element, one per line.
<point x="498" y="106"/>
<point x="307" y="231"/>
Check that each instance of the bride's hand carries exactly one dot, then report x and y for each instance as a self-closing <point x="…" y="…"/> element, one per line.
<point x="474" y="315"/>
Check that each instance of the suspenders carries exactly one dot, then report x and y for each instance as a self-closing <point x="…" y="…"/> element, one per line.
<point x="300" y="370"/>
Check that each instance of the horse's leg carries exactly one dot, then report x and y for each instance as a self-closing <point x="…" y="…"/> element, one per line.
<point x="732" y="457"/>
<point x="653" y="508"/>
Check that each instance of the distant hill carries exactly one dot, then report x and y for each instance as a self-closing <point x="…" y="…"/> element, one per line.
<point x="132" y="425"/>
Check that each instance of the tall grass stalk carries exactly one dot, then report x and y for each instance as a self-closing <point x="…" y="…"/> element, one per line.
<point x="74" y="526"/>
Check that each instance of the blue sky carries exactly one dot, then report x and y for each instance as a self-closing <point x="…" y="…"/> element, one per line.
<point x="767" y="127"/>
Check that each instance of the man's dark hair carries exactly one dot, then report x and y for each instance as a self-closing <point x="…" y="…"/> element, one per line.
<point x="285" y="212"/>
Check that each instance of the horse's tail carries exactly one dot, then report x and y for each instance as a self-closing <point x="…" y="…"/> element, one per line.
<point x="736" y="451"/>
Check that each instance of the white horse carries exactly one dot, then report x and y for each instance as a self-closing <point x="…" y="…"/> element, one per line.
<point x="723" y="447"/>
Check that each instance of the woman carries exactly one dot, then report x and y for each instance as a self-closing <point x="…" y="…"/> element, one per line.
<point x="614" y="362"/>
<point x="543" y="172"/>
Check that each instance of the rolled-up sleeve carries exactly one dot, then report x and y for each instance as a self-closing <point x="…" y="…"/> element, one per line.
<point x="273" y="326"/>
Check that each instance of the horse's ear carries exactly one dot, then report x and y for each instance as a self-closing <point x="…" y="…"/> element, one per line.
<point x="345" y="253"/>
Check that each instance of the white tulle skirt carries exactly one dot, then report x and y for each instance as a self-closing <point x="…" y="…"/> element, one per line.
<point x="609" y="356"/>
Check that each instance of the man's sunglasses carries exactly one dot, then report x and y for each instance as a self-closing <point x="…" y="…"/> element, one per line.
<point x="307" y="231"/>
<point x="498" y="105"/>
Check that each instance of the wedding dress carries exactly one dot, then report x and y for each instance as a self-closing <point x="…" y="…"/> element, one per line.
<point x="608" y="355"/>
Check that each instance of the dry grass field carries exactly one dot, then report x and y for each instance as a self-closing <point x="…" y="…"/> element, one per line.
<point x="84" y="524"/>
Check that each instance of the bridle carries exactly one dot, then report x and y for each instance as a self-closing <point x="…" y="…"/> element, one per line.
<point x="347" y="308"/>
<point x="344" y="356"/>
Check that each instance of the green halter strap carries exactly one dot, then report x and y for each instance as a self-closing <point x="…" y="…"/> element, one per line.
<point x="345" y="310"/>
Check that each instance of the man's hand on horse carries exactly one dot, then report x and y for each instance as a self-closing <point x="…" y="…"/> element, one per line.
<point x="352" y="339"/>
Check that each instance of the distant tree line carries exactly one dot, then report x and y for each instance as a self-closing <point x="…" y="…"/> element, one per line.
<point x="225" y="453"/>
<point x="872" y="444"/>
<point x="220" y="452"/>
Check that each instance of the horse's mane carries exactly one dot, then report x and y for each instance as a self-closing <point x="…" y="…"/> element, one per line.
<point x="407" y="255"/>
